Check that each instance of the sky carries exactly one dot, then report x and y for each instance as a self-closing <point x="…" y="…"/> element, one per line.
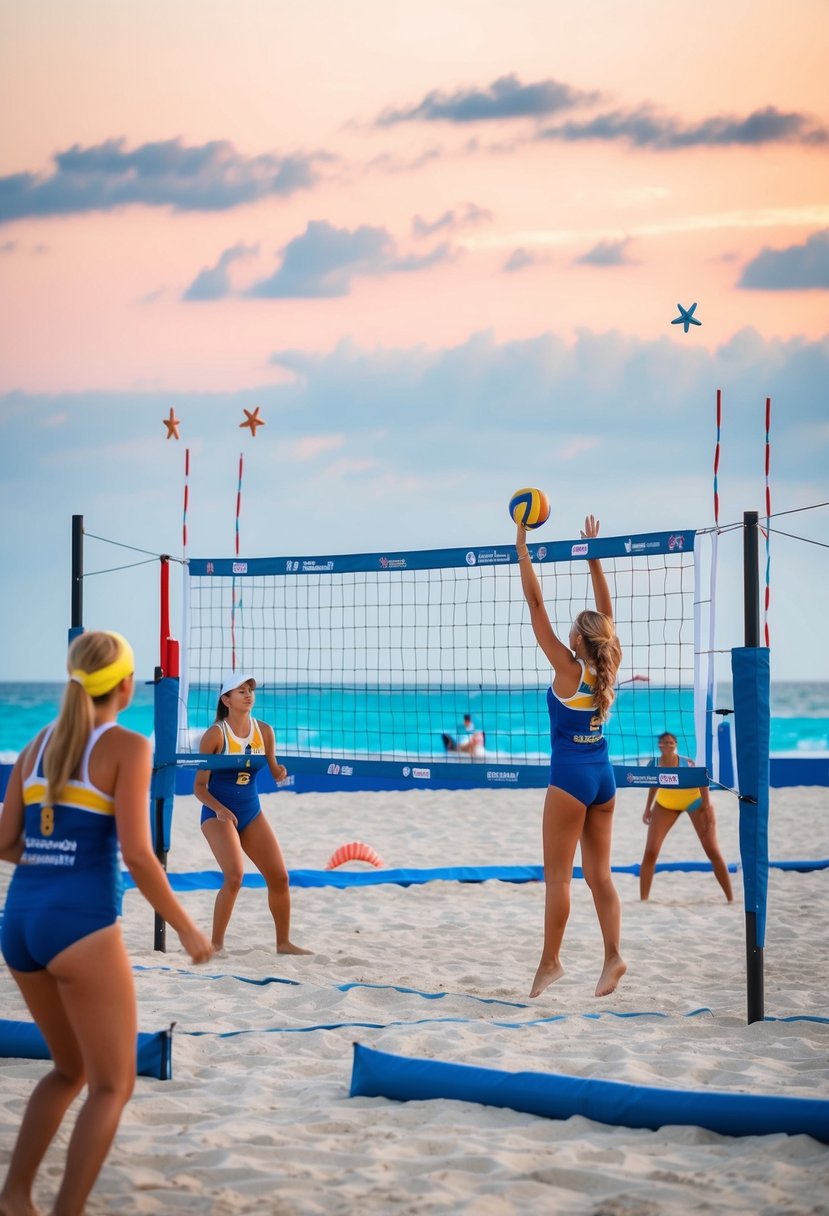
<point x="440" y="247"/>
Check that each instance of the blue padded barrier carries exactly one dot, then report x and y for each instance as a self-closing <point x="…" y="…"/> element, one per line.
<point x="380" y="1074"/>
<point x="154" y="1056"/>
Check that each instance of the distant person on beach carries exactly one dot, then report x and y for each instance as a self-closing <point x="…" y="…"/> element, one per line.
<point x="664" y="807"/>
<point x="472" y="743"/>
<point x="232" y="819"/>
<point x="578" y="808"/>
<point x="79" y="790"/>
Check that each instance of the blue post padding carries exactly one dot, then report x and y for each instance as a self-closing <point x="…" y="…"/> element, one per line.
<point x="752" y="729"/>
<point x="23" y="1041"/>
<point x="165" y="730"/>
<point x="726" y="768"/>
<point x="380" y="1074"/>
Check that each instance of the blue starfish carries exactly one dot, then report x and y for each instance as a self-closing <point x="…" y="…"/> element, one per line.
<point x="686" y="317"/>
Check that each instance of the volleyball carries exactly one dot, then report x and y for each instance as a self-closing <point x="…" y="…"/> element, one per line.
<point x="530" y="508"/>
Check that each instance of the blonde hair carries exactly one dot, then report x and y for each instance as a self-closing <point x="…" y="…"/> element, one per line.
<point x="604" y="653"/>
<point x="88" y="653"/>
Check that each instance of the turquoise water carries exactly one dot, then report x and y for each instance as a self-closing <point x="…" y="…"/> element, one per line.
<point x="408" y="721"/>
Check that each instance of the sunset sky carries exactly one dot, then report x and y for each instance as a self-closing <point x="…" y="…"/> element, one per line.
<point x="440" y="245"/>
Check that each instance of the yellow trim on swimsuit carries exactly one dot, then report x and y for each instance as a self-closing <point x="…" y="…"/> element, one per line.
<point x="79" y="796"/>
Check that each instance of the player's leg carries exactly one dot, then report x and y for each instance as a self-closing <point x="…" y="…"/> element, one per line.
<point x="223" y="839"/>
<point x="705" y="826"/>
<point x="561" y="828"/>
<point x="51" y="1096"/>
<point x="662" y="820"/>
<point x="595" y="857"/>
<point x="95" y="988"/>
<point x="262" y="847"/>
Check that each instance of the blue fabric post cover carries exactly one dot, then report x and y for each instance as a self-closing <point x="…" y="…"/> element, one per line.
<point x="380" y="1074"/>
<point x="165" y="729"/>
<point x="23" y="1041"/>
<point x="752" y="730"/>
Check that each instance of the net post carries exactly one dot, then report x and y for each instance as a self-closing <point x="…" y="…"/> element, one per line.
<point x="159" y="924"/>
<point x="165" y="728"/>
<point x="76" y="588"/>
<point x="755" y="1000"/>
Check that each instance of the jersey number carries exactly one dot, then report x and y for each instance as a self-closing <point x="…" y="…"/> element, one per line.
<point x="47" y="820"/>
<point x="243" y="778"/>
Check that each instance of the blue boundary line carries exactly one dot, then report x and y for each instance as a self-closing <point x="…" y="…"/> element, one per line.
<point x="211" y="880"/>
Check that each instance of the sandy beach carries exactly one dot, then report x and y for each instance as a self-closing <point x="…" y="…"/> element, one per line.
<point x="261" y="1121"/>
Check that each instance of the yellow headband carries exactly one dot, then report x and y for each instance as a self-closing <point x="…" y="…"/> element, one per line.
<point x="98" y="683"/>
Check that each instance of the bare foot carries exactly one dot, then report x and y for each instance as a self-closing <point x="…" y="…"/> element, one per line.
<point x="290" y="948"/>
<point x="546" y="974"/>
<point x="612" y="972"/>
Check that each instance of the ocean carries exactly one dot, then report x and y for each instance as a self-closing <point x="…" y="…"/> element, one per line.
<point x="402" y="721"/>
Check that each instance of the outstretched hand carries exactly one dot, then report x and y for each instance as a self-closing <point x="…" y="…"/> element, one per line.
<point x="591" y="527"/>
<point x="521" y="537"/>
<point x="197" y="945"/>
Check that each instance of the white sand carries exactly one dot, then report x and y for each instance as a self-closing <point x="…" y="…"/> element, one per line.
<point x="262" y="1122"/>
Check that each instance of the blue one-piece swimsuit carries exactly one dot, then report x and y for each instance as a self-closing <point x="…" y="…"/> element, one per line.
<point x="68" y="882"/>
<point x="236" y="789"/>
<point x="579" y="764"/>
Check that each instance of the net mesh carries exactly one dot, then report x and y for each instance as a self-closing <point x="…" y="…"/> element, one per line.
<point x="382" y="663"/>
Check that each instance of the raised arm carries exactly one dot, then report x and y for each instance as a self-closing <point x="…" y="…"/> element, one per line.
<point x="559" y="655"/>
<point x="601" y="591"/>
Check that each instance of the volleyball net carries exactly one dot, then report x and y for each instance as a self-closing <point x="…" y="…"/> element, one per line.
<point x="368" y="663"/>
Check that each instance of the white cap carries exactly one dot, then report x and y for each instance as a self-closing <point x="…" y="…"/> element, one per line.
<point x="234" y="679"/>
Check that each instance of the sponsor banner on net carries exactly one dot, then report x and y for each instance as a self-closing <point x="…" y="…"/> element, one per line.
<point x="497" y="774"/>
<point x="340" y="770"/>
<point x="641" y="779"/>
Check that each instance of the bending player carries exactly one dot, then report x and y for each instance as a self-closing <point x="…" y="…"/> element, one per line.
<point x="232" y="819"/>
<point x="578" y="807"/>
<point x="664" y="807"/>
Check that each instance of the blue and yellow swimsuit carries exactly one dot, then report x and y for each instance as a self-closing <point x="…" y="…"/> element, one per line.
<point x="579" y="764"/>
<point x="236" y="789"/>
<point x="678" y="799"/>
<point x="68" y="882"/>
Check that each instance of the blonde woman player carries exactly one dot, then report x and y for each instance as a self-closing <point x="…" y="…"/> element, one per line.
<point x="578" y="808"/>
<point x="78" y="791"/>
<point x="664" y="807"/>
<point x="232" y="819"/>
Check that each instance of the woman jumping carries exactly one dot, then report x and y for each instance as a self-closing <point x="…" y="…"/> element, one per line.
<point x="581" y="795"/>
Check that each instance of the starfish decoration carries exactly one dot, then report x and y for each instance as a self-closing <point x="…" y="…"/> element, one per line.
<point x="253" y="420"/>
<point x="172" y="424"/>
<point x="686" y="317"/>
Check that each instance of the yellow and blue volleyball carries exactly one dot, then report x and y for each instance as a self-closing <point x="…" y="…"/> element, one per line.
<point x="530" y="508"/>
